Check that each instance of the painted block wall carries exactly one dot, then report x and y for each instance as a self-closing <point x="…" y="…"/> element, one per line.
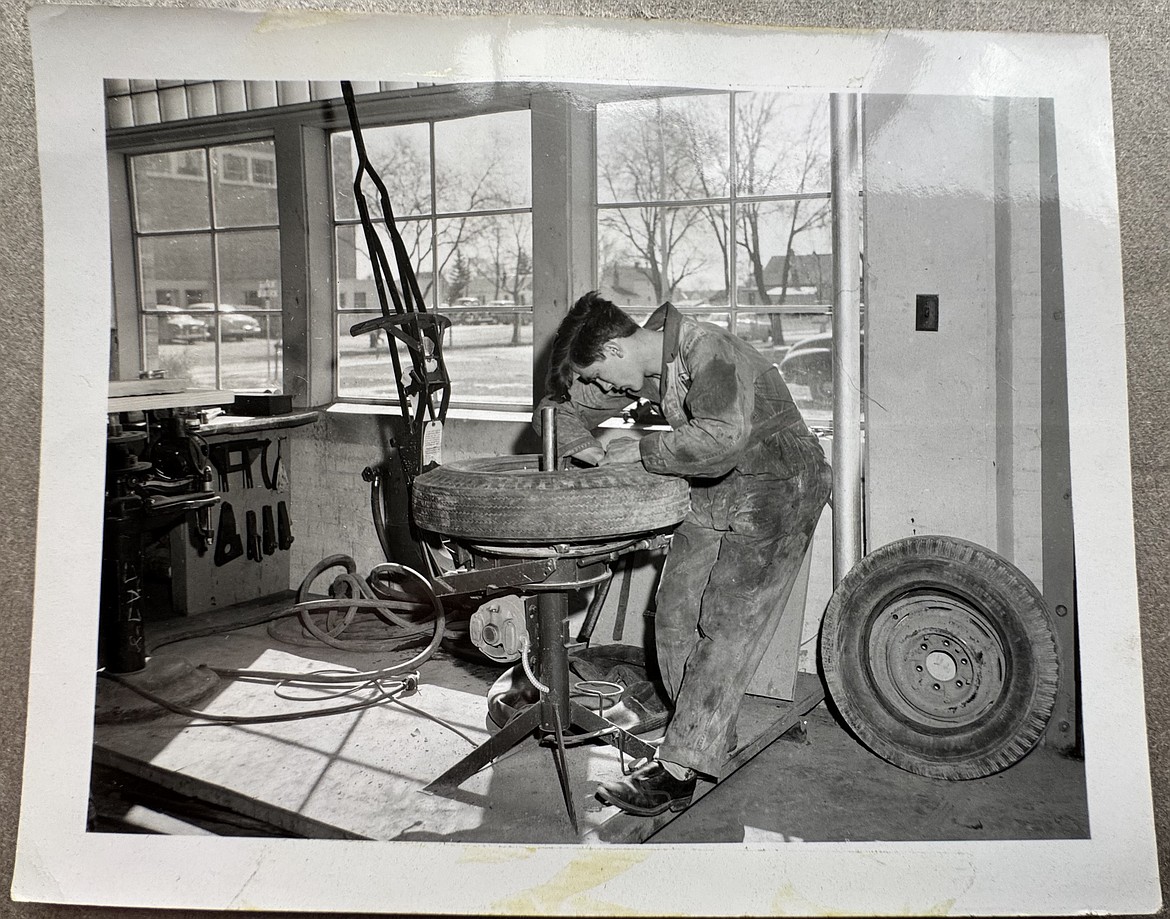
<point x="330" y="500"/>
<point x="951" y="209"/>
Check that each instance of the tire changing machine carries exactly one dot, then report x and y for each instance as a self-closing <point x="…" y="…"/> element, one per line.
<point x="546" y="609"/>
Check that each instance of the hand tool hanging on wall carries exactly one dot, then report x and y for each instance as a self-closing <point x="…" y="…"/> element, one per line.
<point x="284" y="537"/>
<point x="228" y="545"/>
<point x="253" y="534"/>
<point x="221" y="458"/>
<point x="269" y="479"/>
<point x="425" y="391"/>
<point x="269" y="526"/>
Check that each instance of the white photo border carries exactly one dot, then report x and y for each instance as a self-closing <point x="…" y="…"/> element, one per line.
<point x="74" y="48"/>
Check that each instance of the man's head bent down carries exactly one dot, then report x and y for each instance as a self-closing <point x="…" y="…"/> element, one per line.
<point x="596" y="341"/>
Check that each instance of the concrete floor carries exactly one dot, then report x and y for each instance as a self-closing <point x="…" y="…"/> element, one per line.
<point x="829" y="788"/>
<point x="822" y="787"/>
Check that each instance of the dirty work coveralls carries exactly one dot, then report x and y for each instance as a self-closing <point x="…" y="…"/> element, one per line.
<point x="759" y="481"/>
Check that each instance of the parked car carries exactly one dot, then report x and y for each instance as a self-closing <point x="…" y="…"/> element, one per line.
<point x="180" y="328"/>
<point x="237" y="326"/>
<point x="809" y="362"/>
<point x="462" y="313"/>
<point x="233" y="325"/>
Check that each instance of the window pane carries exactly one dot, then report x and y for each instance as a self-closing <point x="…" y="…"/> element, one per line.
<point x="245" y="184"/>
<point x="483" y="163"/>
<point x="673" y="149"/>
<point x="401" y="157"/>
<point x="355" y="275"/>
<point x="649" y="255"/>
<point x="175" y="271"/>
<point x="784" y="254"/>
<point x="781" y="144"/>
<point x="486" y="275"/>
<point x="180" y="345"/>
<point x="249" y="269"/>
<point x="251" y="352"/>
<point x="807" y="365"/>
<point x="488" y="258"/>
<point x="170" y="191"/>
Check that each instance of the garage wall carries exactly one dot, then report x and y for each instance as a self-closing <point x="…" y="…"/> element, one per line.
<point x="330" y="502"/>
<point x="951" y="197"/>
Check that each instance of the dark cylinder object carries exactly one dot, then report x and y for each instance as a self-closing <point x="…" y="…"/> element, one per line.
<point x="553" y="625"/>
<point x="548" y="438"/>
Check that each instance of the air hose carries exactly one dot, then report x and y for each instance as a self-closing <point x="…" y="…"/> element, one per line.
<point x="380" y="593"/>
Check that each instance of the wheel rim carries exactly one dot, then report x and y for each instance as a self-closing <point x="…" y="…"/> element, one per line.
<point x="935" y="661"/>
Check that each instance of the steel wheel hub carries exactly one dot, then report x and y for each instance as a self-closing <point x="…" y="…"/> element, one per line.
<point x="935" y="660"/>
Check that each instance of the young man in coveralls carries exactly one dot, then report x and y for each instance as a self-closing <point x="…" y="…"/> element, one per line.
<point x="758" y="481"/>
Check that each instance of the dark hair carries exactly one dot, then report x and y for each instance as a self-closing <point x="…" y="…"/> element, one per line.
<point x="589" y="324"/>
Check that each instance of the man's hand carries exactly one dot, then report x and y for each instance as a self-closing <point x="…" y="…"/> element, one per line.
<point x="591" y="456"/>
<point x="622" y="450"/>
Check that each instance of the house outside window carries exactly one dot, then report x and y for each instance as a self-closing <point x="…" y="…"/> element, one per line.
<point x="264" y="171"/>
<point x="208" y="261"/>
<point x="233" y="167"/>
<point x="461" y="193"/>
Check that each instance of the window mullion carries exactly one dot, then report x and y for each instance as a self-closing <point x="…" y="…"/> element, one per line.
<point x="434" y="216"/>
<point x="214" y="220"/>
<point x="733" y="215"/>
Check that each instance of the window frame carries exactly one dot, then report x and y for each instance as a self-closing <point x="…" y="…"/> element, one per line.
<point x="564" y="219"/>
<point x="434" y="215"/>
<point x="214" y="232"/>
<point x="732" y="201"/>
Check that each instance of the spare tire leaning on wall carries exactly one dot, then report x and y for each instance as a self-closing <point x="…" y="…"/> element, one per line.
<point x="508" y="499"/>
<point x="941" y="657"/>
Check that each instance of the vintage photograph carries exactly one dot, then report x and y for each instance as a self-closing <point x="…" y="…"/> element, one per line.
<point x="503" y="453"/>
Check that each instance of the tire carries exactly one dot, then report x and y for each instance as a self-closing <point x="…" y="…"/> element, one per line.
<point x="940" y="656"/>
<point x="507" y="499"/>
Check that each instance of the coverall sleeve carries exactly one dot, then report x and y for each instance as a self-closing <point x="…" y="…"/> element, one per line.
<point x="585" y="409"/>
<point x="719" y="405"/>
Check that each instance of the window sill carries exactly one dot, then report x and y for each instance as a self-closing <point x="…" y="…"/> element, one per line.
<point x="516" y="416"/>
<point x="504" y="416"/>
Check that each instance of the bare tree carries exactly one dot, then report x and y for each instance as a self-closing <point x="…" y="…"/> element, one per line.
<point x="765" y="166"/>
<point x="647" y="160"/>
<point x="404" y="167"/>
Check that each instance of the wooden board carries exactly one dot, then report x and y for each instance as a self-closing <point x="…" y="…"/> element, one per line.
<point x="192" y="398"/>
<point x="144" y="387"/>
<point x="762" y="720"/>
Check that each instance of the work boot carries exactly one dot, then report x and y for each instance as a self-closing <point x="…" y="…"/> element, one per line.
<point x="648" y="790"/>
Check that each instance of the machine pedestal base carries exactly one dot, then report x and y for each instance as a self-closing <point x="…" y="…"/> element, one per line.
<point x="174" y="679"/>
<point x="529" y="721"/>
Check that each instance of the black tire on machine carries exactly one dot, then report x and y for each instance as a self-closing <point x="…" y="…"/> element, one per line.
<point x="508" y="499"/>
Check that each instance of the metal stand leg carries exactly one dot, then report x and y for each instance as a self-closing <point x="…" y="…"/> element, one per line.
<point x="511" y="734"/>
<point x="555" y="715"/>
<point x="563" y="772"/>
